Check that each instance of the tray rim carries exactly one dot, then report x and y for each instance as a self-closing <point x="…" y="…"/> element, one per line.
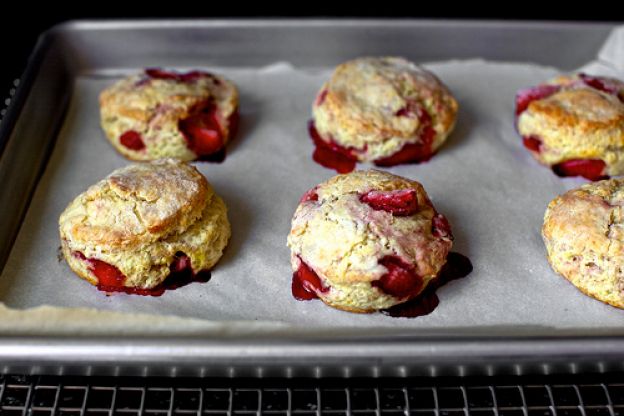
<point x="51" y="348"/>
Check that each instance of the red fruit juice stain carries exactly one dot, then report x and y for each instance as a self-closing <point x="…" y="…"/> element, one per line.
<point x="457" y="266"/>
<point x="400" y="203"/>
<point x="330" y="154"/>
<point x="305" y="283"/>
<point x="110" y="278"/>
<point x="592" y="169"/>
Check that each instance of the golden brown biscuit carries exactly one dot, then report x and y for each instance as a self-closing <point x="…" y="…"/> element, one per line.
<point x="584" y="236"/>
<point x="384" y="110"/>
<point x="159" y="114"/>
<point x="575" y="125"/>
<point x="143" y="222"/>
<point x="366" y="241"/>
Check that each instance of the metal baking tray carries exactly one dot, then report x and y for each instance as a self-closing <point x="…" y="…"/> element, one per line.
<point x="29" y="131"/>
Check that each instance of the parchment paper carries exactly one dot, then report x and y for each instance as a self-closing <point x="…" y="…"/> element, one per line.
<point x="492" y="191"/>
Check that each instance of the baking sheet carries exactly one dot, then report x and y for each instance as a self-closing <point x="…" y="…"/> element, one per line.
<point x="483" y="180"/>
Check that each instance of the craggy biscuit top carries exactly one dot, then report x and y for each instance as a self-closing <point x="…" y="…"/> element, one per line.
<point x="584" y="236"/>
<point x="148" y="99"/>
<point x="137" y="204"/>
<point x="344" y="238"/>
<point x="376" y="105"/>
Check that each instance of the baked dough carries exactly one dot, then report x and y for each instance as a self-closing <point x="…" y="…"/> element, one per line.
<point x="372" y="239"/>
<point x="136" y="226"/>
<point x="584" y="236"/>
<point x="575" y="125"/>
<point x="385" y="110"/>
<point x="157" y="114"/>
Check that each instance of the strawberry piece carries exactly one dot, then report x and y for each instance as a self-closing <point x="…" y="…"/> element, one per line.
<point x="202" y="131"/>
<point x="192" y="76"/>
<point x="330" y="154"/>
<point x="181" y="263"/>
<point x="533" y="143"/>
<point x="413" y="152"/>
<point x="400" y="203"/>
<point x="604" y="84"/>
<point x="107" y="274"/>
<point x="132" y="140"/>
<point x="592" y="169"/>
<point x="306" y="283"/>
<point x="401" y="281"/>
<point x="321" y="97"/>
<point x="310" y="195"/>
<point x="440" y="227"/>
<point x="525" y="96"/>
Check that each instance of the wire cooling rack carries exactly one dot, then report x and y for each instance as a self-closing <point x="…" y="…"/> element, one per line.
<point x="580" y="395"/>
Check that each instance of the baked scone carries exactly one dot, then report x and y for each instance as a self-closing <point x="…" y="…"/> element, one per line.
<point x="584" y="236"/>
<point x="142" y="223"/>
<point x="384" y="110"/>
<point x="366" y="241"/>
<point x="157" y="114"/>
<point x="575" y="125"/>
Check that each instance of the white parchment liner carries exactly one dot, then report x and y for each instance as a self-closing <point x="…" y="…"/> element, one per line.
<point x="483" y="180"/>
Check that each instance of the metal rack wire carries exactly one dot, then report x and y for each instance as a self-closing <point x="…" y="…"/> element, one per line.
<point x="544" y="396"/>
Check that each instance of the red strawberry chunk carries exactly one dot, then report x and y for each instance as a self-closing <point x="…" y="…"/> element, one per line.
<point x="331" y="154"/>
<point x="310" y="195"/>
<point x="192" y="76"/>
<point x="440" y="227"/>
<point x="604" y="84"/>
<point x="401" y="280"/>
<point x="592" y="169"/>
<point x="306" y="283"/>
<point x="526" y="96"/>
<point x="321" y="97"/>
<point x="107" y="274"/>
<point x="132" y="140"/>
<point x="533" y="143"/>
<point x="202" y="131"/>
<point x="413" y="152"/>
<point x="157" y="73"/>
<point x="181" y="263"/>
<point x="400" y="203"/>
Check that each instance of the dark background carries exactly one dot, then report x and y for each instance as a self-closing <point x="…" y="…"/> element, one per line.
<point x="22" y="21"/>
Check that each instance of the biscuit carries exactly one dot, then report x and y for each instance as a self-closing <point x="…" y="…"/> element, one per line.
<point x="575" y="125"/>
<point x="584" y="236"/>
<point x="384" y="110"/>
<point x="143" y="222"/>
<point x="157" y="114"/>
<point x="366" y="241"/>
